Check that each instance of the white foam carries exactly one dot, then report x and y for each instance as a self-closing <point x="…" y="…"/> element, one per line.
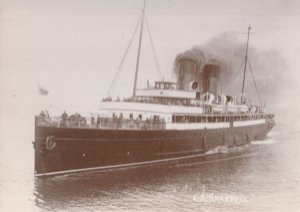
<point x="225" y="149"/>
<point x="218" y="149"/>
<point x="264" y="142"/>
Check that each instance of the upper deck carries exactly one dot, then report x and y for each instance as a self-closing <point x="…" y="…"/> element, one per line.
<point x="166" y="90"/>
<point x="164" y="107"/>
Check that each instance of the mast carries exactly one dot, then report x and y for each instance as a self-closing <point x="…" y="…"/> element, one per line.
<point x="246" y="59"/>
<point x="139" y="51"/>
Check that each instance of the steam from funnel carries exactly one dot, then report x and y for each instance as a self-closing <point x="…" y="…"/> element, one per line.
<point x="227" y="52"/>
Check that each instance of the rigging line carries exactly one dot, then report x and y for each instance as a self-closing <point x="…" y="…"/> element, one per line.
<point x="259" y="96"/>
<point x="153" y="50"/>
<point x="116" y="76"/>
<point x="174" y="74"/>
<point x="237" y="73"/>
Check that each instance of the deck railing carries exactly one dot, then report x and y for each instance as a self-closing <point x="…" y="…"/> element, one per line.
<point x="121" y="123"/>
<point x="103" y="123"/>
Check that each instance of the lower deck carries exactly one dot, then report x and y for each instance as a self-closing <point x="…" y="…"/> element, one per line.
<point x="175" y="122"/>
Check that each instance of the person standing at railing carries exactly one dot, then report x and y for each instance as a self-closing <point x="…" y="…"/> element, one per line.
<point x="98" y="120"/>
<point x="42" y="115"/>
<point x="47" y="116"/>
<point x="93" y="121"/>
<point x="42" y="118"/>
<point x="120" y="121"/>
<point x="163" y="123"/>
<point x="64" y="118"/>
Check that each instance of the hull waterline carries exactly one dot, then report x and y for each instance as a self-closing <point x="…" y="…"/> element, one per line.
<point x="79" y="149"/>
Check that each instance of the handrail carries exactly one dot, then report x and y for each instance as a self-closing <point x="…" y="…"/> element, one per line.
<point x="103" y="122"/>
<point x="121" y="123"/>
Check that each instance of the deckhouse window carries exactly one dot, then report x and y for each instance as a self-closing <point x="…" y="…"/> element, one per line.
<point x="131" y="116"/>
<point x="192" y="119"/>
<point x="202" y="119"/>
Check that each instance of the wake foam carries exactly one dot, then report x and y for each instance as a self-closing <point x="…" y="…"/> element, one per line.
<point x="225" y="149"/>
<point x="265" y="142"/>
<point x="218" y="149"/>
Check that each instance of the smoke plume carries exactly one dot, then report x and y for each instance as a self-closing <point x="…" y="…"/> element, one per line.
<point x="225" y="49"/>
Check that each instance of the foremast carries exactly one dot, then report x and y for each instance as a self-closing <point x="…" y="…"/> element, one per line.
<point x="139" y="52"/>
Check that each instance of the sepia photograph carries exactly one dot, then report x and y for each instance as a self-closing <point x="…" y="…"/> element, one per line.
<point x="149" y="105"/>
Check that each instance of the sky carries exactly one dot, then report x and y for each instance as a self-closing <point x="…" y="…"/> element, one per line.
<point x="73" y="48"/>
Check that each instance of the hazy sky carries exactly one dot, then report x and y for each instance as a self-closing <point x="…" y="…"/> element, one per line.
<point x="73" y="47"/>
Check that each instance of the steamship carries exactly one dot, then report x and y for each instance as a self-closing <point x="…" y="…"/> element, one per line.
<point x="168" y="121"/>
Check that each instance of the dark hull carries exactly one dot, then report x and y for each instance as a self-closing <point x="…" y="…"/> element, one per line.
<point x="80" y="149"/>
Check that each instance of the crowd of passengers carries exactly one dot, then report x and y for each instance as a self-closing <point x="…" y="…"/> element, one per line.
<point x="114" y="122"/>
<point x="64" y="121"/>
<point x="118" y="122"/>
<point x="44" y="116"/>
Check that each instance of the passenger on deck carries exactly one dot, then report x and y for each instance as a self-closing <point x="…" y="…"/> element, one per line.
<point x="98" y="120"/>
<point x="93" y="121"/>
<point x="42" y="115"/>
<point x="119" y="121"/>
<point x="114" y="117"/>
<point x="64" y="118"/>
<point x="163" y="123"/>
<point x="47" y="116"/>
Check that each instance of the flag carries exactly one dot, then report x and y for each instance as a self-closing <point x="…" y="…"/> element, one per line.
<point x="43" y="91"/>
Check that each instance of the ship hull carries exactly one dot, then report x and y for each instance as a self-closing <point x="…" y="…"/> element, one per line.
<point x="84" y="149"/>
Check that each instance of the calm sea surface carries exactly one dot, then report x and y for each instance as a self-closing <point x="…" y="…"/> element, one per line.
<point x="263" y="176"/>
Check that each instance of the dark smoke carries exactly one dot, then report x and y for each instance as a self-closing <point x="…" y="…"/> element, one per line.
<point x="225" y="49"/>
